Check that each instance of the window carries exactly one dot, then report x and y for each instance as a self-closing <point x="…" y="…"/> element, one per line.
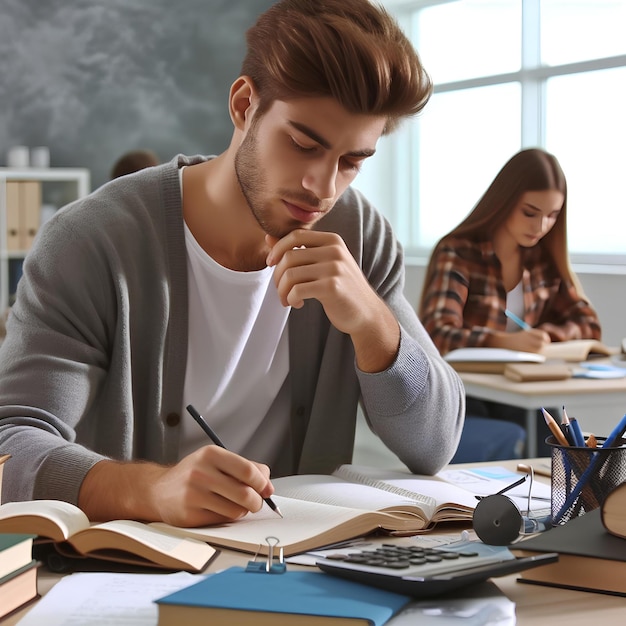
<point x="510" y="74"/>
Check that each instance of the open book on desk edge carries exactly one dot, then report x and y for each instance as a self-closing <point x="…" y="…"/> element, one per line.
<point x="489" y="360"/>
<point x="122" y="541"/>
<point x="495" y="360"/>
<point x="319" y="510"/>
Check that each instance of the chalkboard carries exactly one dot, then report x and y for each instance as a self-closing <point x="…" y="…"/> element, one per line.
<point x="92" y="79"/>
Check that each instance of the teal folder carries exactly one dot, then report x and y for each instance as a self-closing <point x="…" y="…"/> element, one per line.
<point x="239" y="597"/>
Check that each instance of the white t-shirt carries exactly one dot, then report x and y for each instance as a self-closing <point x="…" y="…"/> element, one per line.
<point x="515" y="304"/>
<point x="237" y="358"/>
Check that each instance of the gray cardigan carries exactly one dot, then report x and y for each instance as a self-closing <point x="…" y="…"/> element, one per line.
<point x="93" y="364"/>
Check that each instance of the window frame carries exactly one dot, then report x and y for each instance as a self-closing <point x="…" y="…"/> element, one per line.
<point x="393" y="177"/>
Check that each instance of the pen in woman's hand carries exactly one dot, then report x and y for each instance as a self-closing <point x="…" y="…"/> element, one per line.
<point x="520" y="322"/>
<point x="218" y="442"/>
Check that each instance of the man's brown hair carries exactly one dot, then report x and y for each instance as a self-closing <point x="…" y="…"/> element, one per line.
<point x="350" y="50"/>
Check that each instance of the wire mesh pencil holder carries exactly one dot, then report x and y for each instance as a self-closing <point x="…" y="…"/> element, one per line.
<point x="583" y="477"/>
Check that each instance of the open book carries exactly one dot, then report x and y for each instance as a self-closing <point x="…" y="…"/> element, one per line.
<point x="123" y="541"/>
<point x="320" y="510"/>
<point x="577" y="350"/>
<point x="489" y="360"/>
<point x="495" y="360"/>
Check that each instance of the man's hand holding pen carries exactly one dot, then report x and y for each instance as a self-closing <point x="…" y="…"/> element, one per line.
<point x="210" y="486"/>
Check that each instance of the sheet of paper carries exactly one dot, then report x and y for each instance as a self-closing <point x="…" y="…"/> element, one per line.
<point x="482" y="605"/>
<point x="105" y="599"/>
<point x="485" y="481"/>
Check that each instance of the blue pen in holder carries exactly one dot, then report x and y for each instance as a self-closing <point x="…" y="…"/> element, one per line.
<point x="582" y="477"/>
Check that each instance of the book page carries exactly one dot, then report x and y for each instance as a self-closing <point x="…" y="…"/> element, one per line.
<point x="145" y="541"/>
<point x="334" y="490"/>
<point x="305" y="526"/>
<point x="480" y="604"/>
<point x="576" y="349"/>
<point x="53" y="519"/>
<point x="409" y="485"/>
<point x="485" y="481"/>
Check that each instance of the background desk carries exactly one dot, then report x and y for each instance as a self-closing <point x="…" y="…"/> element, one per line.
<point x="599" y="404"/>
<point x="534" y="604"/>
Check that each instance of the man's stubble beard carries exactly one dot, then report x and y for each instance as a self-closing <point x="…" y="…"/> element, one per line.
<point x="251" y="182"/>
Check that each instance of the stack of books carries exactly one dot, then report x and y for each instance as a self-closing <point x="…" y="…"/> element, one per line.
<point x="18" y="572"/>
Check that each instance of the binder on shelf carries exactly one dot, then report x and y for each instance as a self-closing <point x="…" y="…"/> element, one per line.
<point x="30" y="212"/>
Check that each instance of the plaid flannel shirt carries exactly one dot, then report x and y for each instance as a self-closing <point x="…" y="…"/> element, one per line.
<point x="465" y="298"/>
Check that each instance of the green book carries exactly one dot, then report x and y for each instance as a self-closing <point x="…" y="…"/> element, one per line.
<point x="236" y="596"/>
<point x="16" y="550"/>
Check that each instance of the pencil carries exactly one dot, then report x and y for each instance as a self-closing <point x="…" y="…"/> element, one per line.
<point x="616" y="434"/>
<point x="554" y="428"/>
<point x="218" y="442"/>
<point x="519" y="321"/>
<point x="566" y="428"/>
<point x="541" y="469"/>
<point x="577" y="432"/>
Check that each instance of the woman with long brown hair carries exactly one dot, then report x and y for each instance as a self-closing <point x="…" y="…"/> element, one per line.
<point x="509" y="254"/>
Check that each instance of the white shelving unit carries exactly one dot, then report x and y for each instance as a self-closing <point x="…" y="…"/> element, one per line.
<point x="59" y="187"/>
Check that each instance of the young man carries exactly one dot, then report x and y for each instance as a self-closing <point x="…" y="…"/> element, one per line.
<point x="256" y="285"/>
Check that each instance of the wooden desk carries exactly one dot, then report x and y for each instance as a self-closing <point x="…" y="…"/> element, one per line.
<point x="534" y="604"/>
<point x="598" y="403"/>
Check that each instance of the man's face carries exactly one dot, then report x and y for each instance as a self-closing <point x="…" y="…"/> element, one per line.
<point x="299" y="157"/>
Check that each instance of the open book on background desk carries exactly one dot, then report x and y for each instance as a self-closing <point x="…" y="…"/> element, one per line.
<point x="320" y="510"/>
<point x="489" y="360"/>
<point x="577" y="350"/>
<point x="495" y="360"/>
<point x="123" y="541"/>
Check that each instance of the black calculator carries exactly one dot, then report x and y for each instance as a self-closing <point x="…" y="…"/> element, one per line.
<point x="422" y="572"/>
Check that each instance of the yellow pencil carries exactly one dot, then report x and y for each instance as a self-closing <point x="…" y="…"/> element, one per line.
<point x="554" y="427"/>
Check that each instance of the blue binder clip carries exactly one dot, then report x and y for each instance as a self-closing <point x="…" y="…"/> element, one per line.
<point x="269" y="567"/>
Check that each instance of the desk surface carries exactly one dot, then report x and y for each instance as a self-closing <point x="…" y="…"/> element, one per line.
<point x="598" y="403"/>
<point x="526" y="393"/>
<point x="534" y="604"/>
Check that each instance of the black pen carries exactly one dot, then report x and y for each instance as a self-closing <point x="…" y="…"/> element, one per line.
<point x="218" y="442"/>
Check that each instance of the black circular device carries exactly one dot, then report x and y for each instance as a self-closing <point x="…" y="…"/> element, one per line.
<point x="497" y="521"/>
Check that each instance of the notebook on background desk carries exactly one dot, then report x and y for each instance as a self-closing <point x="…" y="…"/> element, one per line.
<point x="489" y="360"/>
<point x="553" y="358"/>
